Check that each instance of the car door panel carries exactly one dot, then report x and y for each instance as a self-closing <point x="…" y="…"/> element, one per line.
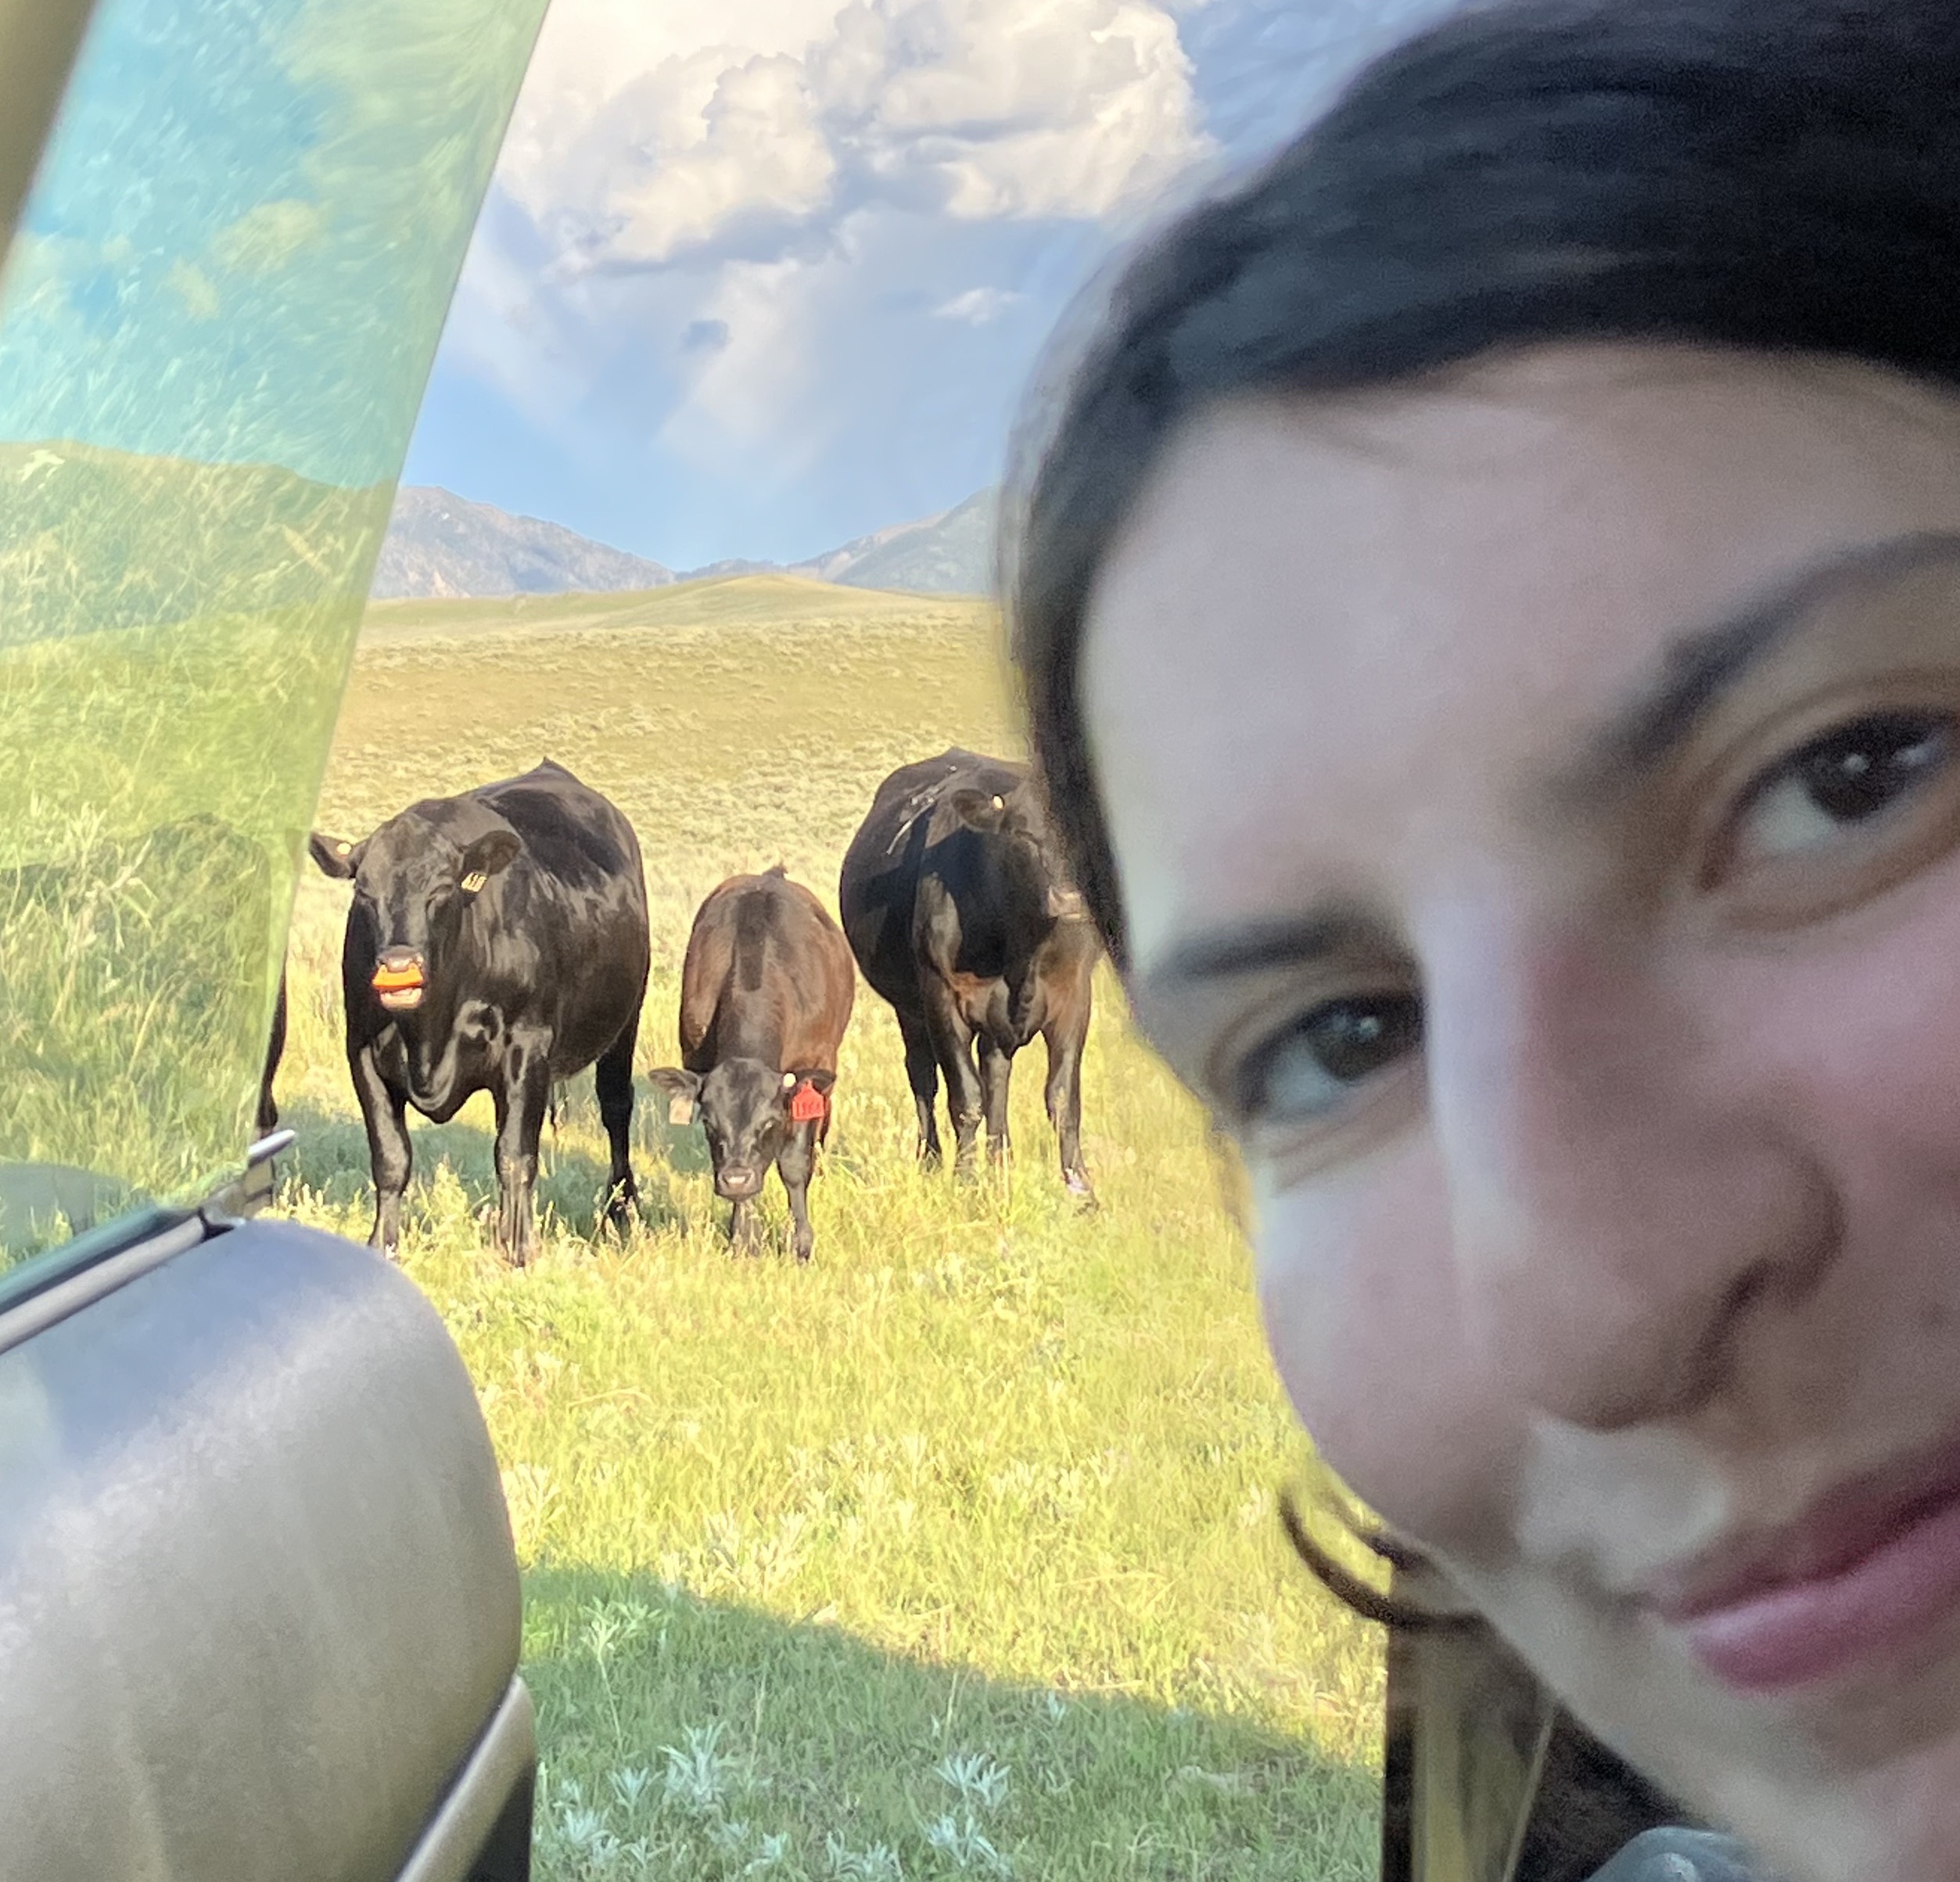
<point x="258" y="1605"/>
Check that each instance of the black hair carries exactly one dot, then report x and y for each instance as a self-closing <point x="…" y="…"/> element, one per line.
<point x="1778" y="175"/>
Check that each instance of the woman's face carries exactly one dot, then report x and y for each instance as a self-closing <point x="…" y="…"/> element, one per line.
<point x="1537" y="803"/>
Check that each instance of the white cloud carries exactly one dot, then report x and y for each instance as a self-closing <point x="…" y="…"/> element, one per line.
<point x="649" y="133"/>
<point x="700" y="146"/>
<point x="978" y="306"/>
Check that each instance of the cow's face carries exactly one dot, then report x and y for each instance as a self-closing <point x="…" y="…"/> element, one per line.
<point x="1030" y="849"/>
<point x="743" y="1106"/>
<point x="413" y="880"/>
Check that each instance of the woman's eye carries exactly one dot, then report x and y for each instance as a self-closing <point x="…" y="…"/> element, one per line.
<point x="1313" y="1067"/>
<point x="1847" y="778"/>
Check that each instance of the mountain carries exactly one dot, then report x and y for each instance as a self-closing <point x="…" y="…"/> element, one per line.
<point x="950" y="554"/>
<point x="439" y="545"/>
<point x="727" y="571"/>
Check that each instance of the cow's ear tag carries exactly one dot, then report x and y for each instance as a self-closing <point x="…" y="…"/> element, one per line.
<point x="473" y="881"/>
<point x="1000" y="804"/>
<point x="680" y="1111"/>
<point x="789" y="1081"/>
<point x="344" y="849"/>
<point x="807" y="1106"/>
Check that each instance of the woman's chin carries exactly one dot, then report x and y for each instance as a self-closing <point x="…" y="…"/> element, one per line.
<point x="1897" y="1821"/>
<point x="1902" y="1820"/>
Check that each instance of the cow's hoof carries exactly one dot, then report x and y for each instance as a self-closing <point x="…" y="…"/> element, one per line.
<point x="1077" y="1184"/>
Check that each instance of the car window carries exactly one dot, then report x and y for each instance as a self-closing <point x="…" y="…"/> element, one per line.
<point x="215" y="325"/>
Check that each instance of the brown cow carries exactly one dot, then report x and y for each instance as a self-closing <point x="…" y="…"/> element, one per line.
<point x="766" y="992"/>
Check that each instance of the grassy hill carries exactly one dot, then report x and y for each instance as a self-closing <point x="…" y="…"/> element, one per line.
<point x="953" y="1553"/>
<point x="738" y="601"/>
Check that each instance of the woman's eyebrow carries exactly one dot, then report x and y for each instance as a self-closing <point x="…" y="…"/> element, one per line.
<point x="1702" y="668"/>
<point x="1261" y="944"/>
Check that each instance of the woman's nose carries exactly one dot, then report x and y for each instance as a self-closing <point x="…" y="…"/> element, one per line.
<point x="1626" y="1207"/>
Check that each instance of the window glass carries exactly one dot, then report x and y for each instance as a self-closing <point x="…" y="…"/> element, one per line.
<point x="217" y="323"/>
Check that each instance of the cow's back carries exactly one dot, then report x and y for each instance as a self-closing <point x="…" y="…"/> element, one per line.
<point x="763" y="938"/>
<point x="879" y="886"/>
<point x="583" y="902"/>
<point x="569" y="831"/>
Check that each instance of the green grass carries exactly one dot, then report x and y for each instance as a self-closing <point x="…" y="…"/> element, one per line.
<point x="954" y="1552"/>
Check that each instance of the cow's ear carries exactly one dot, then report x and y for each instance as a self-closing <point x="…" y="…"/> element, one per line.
<point x="819" y="1081"/>
<point x="485" y="857"/>
<point x="978" y="810"/>
<point x="683" y="1090"/>
<point x="335" y="855"/>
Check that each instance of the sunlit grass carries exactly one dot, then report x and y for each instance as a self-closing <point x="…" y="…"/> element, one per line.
<point x="954" y="1553"/>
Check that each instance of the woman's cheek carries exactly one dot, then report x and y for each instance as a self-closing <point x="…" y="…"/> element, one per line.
<point x="1361" y="1301"/>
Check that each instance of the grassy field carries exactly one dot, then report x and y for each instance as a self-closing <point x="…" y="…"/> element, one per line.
<point x="954" y="1553"/>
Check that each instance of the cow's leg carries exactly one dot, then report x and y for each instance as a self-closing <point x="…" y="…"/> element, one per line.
<point x="385" y="1115"/>
<point x="793" y="1164"/>
<point x="522" y="1095"/>
<point x="997" y="1063"/>
<point x="613" y="1075"/>
<point x="922" y="1074"/>
<point x="1064" y="1093"/>
<point x="953" y="1042"/>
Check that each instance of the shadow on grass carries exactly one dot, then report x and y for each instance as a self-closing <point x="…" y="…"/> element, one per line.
<point x="685" y="1736"/>
<point x="331" y="1157"/>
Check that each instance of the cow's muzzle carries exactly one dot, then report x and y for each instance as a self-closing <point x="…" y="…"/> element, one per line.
<point x="397" y="981"/>
<point x="738" y="1182"/>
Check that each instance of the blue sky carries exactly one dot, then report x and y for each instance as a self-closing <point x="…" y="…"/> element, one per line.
<point x="757" y="276"/>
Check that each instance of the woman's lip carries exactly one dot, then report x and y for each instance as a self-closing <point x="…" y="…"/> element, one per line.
<point x="1873" y="1563"/>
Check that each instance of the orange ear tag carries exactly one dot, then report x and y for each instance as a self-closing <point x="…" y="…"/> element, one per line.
<point x="808" y="1104"/>
<point x="473" y="881"/>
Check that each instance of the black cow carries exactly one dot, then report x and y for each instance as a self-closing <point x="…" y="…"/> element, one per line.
<point x="498" y="942"/>
<point x="959" y="911"/>
<point x="766" y="993"/>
